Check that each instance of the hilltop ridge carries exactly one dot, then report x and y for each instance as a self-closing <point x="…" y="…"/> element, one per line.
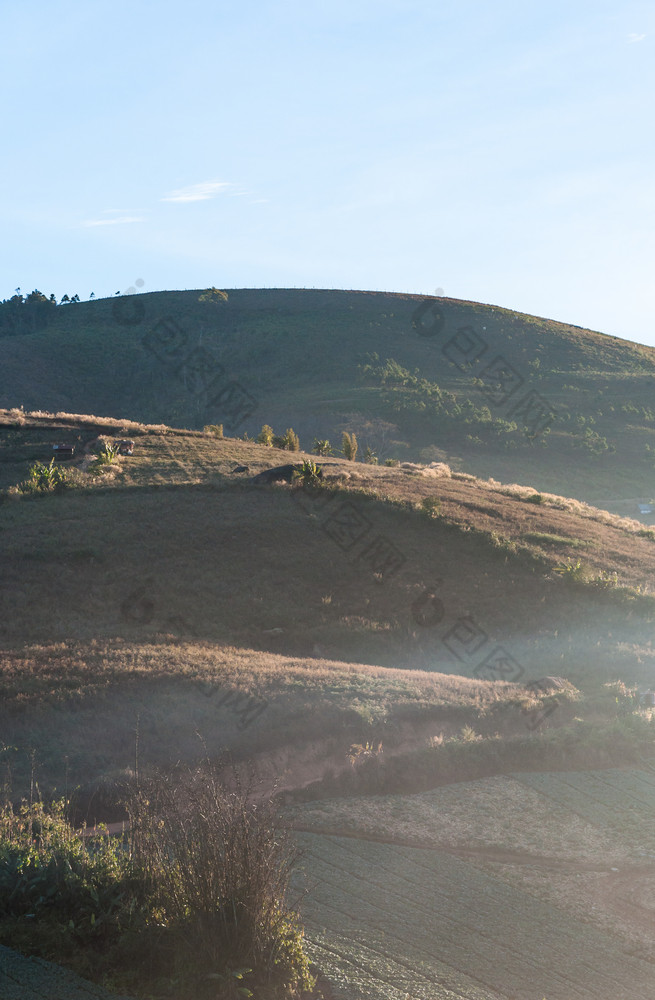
<point x="490" y="391"/>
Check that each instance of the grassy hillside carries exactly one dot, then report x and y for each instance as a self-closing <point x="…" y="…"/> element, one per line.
<point x="378" y="567"/>
<point x="358" y="646"/>
<point x="113" y="590"/>
<point x="488" y="390"/>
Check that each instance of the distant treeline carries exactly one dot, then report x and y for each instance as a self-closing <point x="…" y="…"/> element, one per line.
<point x="29" y="313"/>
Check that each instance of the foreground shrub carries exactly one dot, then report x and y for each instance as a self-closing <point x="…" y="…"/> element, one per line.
<point x="219" y="867"/>
<point x="194" y="897"/>
<point x="64" y="897"/>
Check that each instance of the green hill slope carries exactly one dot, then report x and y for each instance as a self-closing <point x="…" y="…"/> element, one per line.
<point x="489" y="390"/>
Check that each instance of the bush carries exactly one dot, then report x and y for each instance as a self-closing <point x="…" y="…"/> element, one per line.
<point x="219" y="867"/>
<point x="349" y="446"/>
<point x="104" y="458"/>
<point x="194" y="896"/>
<point x="322" y="447"/>
<point x="573" y="572"/>
<point x="216" y="430"/>
<point x="49" y="478"/>
<point x="431" y="506"/>
<point x="289" y="441"/>
<point x="61" y="896"/>
<point x="266" y="436"/>
<point x="309" y="474"/>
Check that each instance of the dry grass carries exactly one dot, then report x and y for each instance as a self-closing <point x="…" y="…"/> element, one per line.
<point x="78" y="711"/>
<point x="58" y="672"/>
<point x="141" y="597"/>
<point x="22" y="418"/>
<point x="177" y="544"/>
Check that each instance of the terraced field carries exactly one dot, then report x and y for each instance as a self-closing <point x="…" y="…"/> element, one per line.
<point x="572" y="919"/>
<point x="623" y="800"/>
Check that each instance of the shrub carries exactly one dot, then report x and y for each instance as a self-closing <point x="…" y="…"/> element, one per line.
<point x="49" y="478"/>
<point x="289" y="441"/>
<point x="309" y="474"/>
<point x="391" y="462"/>
<point x="349" y="446"/>
<point x="213" y="295"/>
<point x="219" y="866"/>
<point x="574" y="572"/>
<point x="322" y="447"/>
<point x="61" y="896"/>
<point x="194" y="897"/>
<point x="266" y="436"/>
<point x="104" y="458"/>
<point x="370" y="458"/>
<point x="431" y="506"/>
<point x="216" y="430"/>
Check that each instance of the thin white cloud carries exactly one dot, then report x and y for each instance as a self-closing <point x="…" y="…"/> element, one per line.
<point x="634" y="37"/>
<point x="197" y="192"/>
<point x="122" y="220"/>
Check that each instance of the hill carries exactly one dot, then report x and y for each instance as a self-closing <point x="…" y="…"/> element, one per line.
<point x="172" y="537"/>
<point x="413" y="659"/>
<point x="173" y="553"/>
<point x="485" y="389"/>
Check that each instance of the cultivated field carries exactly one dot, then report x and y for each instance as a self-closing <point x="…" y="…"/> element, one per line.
<point x="487" y="890"/>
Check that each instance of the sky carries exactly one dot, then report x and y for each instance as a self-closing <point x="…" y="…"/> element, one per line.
<point x="491" y="150"/>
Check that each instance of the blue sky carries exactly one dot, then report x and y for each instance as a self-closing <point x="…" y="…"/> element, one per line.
<point x="500" y="151"/>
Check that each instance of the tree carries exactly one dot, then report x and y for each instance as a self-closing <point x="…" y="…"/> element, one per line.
<point x="291" y="440"/>
<point x="288" y="441"/>
<point x="266" y="436"/>
<point x="213" y="295"/>
<point x="349" y="446"/>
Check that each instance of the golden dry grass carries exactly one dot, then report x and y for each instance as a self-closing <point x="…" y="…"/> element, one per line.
<point x="84" y="709"/>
